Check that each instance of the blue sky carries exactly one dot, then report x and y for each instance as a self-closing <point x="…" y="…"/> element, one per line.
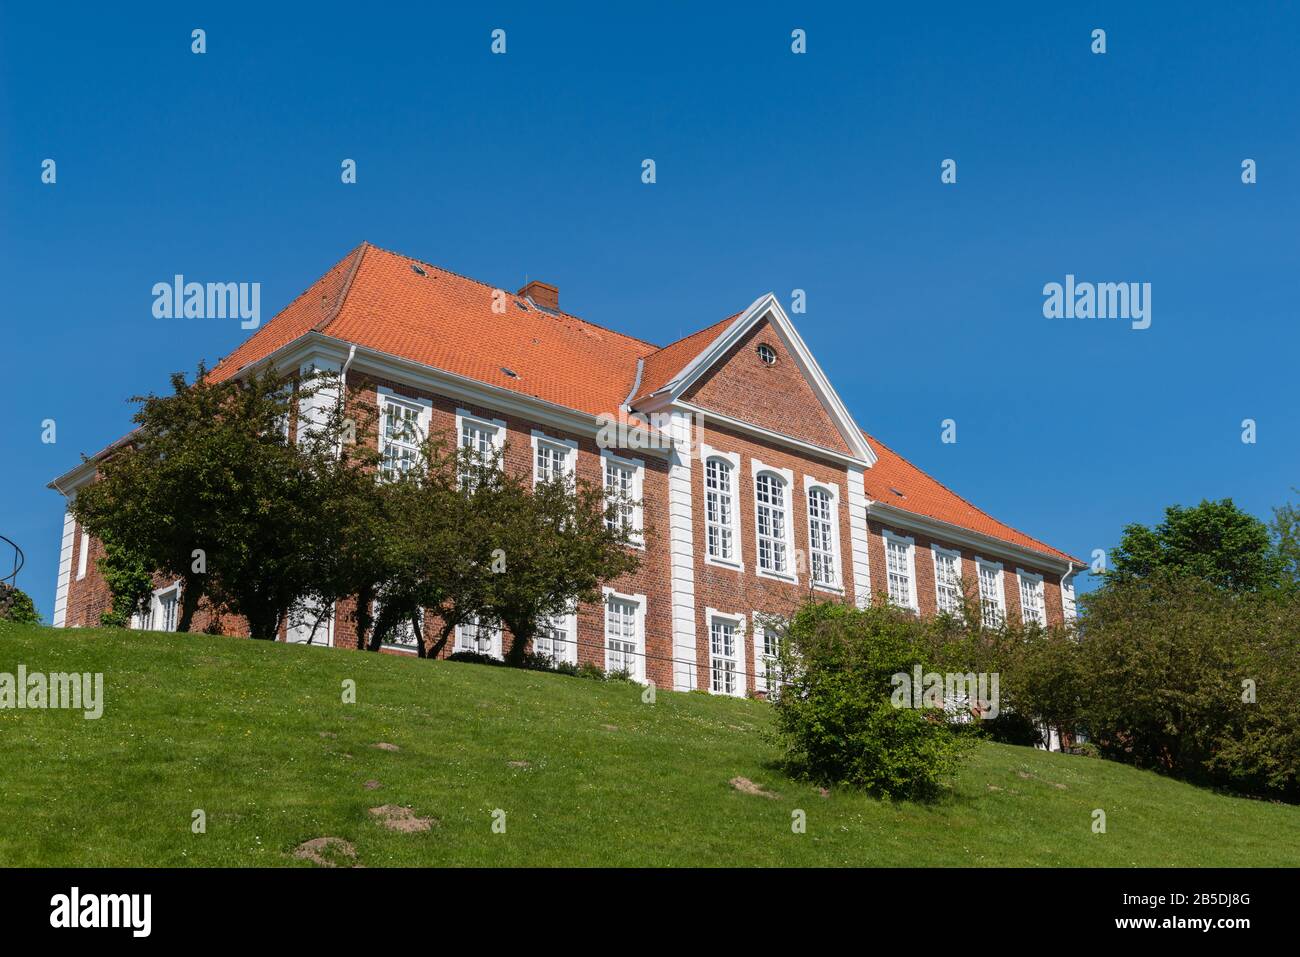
<point x="775" y="171"/>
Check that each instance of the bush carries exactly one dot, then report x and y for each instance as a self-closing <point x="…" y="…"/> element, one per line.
<point x="474" y="658"/>
<point x="1165" y="663"/>
<point x="17" y="606"/>
<point x="593" y="672"/>
<point x="835" y="714"/>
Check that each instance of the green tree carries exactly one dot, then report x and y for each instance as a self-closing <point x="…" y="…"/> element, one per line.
<point x="553" y="545"/>
<point x="213" y="488"/>
<point x="1285" y="528"/>
<point x="1213" y="541"/>
<point x="130" y="581"/>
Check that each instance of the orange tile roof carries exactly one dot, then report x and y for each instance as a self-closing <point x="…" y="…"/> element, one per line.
<point x="926" y="496"/>
<point x="373" y="297"/>
<point x="663" y="365"/>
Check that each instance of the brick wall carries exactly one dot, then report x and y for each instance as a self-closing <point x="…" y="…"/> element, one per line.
<point x="738" y="388"/>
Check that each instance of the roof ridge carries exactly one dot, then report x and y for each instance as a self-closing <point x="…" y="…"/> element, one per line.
<point x="488" y="285"/>
<point x="359" y="253"/>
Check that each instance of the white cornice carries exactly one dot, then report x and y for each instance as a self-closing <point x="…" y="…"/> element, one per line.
<point x="767" y="307"/>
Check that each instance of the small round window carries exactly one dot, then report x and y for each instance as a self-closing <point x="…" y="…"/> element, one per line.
<point x="766" y="353"/>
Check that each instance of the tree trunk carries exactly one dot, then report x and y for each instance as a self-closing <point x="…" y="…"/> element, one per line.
<point x="419" y="633"/>
<point x="191" y="595"/>
<point x="264" y="625"/>
<point x="522" y="633"/>
<point x="364" y="620"/>
<point x="447" y="628"/>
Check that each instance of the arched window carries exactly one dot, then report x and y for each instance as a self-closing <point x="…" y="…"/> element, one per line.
<point x="821" y="536"/>
<point x="718" y="508"/>
<point x="771" y="492"/>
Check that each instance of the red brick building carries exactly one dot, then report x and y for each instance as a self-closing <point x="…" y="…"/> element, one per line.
<point x="753" y="482"/>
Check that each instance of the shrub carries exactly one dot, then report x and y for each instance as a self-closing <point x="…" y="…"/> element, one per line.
<point x="1165" y="666"/>
<point x="474" y="658"/>
<point x="835" y="714"/>
<point x="588" y="670"/>
<point x="17" y="606"/>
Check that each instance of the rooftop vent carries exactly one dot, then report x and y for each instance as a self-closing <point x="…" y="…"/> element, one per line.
<point x="542" y="294"/>
<point x="510" y="372"/>
<point x="897" y="492"/>
<point x="418" y="269"/>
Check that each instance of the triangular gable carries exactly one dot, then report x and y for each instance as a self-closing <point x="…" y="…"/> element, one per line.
<point x="694" y="372"/>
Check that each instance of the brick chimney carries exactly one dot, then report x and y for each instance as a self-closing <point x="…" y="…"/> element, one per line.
<point x="542" y="293"/>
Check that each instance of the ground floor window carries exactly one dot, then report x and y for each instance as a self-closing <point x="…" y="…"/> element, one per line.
<point x="557" y="639"/>
<point x="480" y="637"/>
<point x="161" y="613"/>
<point x="624" y="634"/>
<point x="724" y="655"/>
<point x="768" y="632"/>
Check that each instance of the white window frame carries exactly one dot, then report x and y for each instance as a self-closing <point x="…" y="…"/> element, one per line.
<point x="737" y="657"/>
<point x="324" y="637"/>
<point x="83" y="554"/>
<point x="568" y="446"/>
<point x="1034" y="578"/>
<point x="732" y="459"/>
<point x="938" y="551"/>
<point x="832" y="490"/>
<point x="568" y="624"/>
<point x="375" y="605"/>
<point x="143" y="623"/>
<point x="495" y="429"/>
<point x="637" y="467"/>
<point x="493" y="629"/>
<point x="762" y="660"/>
<point x="980" y="564"/>
<point x="909" y="544"/>
<point x="639" y="604"/>
<point x="424" y="414"/>
<point x="791" y="574"/>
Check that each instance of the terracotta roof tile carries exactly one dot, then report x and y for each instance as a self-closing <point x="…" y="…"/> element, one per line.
<point x="930" y="498"/>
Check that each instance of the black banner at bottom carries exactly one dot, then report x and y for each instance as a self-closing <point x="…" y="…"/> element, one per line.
<point x="337" y="906"/>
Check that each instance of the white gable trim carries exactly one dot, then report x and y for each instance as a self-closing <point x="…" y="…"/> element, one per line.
<point x="767" y="307"/>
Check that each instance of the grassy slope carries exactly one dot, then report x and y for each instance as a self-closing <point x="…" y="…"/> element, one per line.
<point x="235" y="727"/>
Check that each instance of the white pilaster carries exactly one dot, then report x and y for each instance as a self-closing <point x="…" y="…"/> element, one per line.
<point x="65" y="570"/>
<point x="682" y="554"/>
<point x="858" y="537"/>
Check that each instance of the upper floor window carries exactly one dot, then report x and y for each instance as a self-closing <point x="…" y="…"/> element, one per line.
<point x="1032" y="607"/>
<point x="553" y="459"/>
<point x="766" y="354"/>
<point x="623" y="488"/>
<point x="991" y="602"/>
<point x="400" y="437"/>
<point x="821" y="536"/>
<point x="83" y="555"/>
<point x="719" y="508"/>
<point x="484" y="438"/>
<point x="947" y="580"/>
<point x="773" y="553"/>
<point x="900" y="570"/>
